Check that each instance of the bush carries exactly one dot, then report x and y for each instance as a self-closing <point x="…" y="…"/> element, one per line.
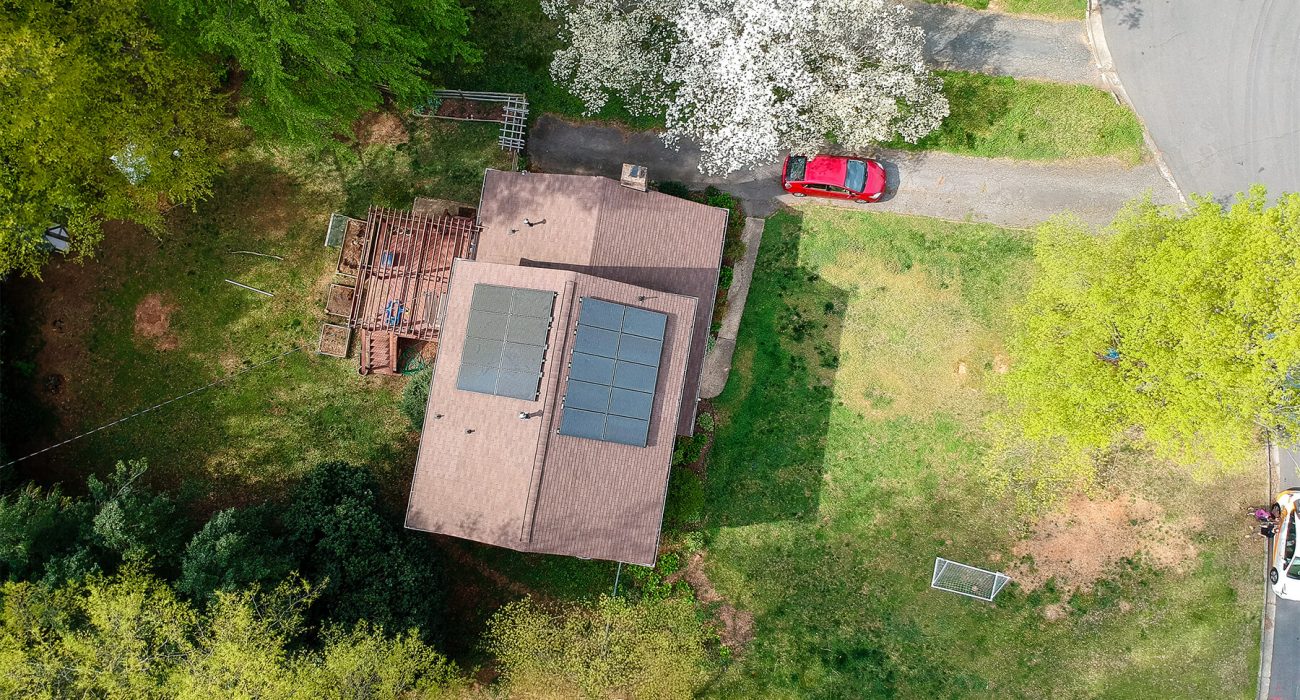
<point x="415" y="397"/>
<point x="685" y="504"/>
<point x="705" y="422"/>
<point x="676" y="189"/>
<point x="689" y="449"/>
<point x="724" y="278"/>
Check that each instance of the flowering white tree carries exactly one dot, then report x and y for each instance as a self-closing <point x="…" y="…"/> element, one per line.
<point x="747" y="79"/>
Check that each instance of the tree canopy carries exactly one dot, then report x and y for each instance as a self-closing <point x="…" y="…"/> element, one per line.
<point x="747" y="79"/>
<point x="101" y="122"/>
<point x="130" y="636"/>
<point x="309" y="69"/>
<point x="1179" y="331"/>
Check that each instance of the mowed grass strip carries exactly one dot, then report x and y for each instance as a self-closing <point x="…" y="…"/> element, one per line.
<point x="1055" y="9"/>
<point x="1000" y="117"/>
<point x="846" y="459"/>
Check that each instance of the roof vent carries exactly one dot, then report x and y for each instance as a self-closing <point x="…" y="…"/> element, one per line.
<point x="634" y="177"/>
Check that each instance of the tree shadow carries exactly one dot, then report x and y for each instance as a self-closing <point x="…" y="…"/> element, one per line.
<point x="767" y="461"/>
<point x="1130" y="14"/>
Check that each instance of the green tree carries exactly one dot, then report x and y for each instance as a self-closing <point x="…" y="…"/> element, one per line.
<point x="101" y="122"/>
<point x="236" y="548"/>
<point x="130" y="636"/>
<point x="372" y="569"/>
<point x="309" y="69"/>
<point x="36" y="527"/>
<point x="1175" y="331"/>
<point x="133" y="521"/>
<point x="654" y="648"/>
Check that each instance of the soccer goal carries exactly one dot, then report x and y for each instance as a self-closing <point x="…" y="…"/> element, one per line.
<point x="967" y="580"/>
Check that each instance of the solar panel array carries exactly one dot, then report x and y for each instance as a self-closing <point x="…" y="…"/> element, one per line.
<point x="505" y="343"/>
<point x="613" y="372"/>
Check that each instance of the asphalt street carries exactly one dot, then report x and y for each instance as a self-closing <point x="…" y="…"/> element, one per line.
<point x="998" y="191"/>
<point x="1218" y="85"/>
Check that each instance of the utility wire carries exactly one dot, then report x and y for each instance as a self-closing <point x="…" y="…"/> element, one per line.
<point x="192" y="392"/>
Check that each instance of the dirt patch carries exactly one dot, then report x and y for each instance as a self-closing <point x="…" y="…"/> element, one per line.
<point x="153" y="321"/>
<point x="1056" y="611"/>
<point x="735" y="626"/>
<point x="354" y="243"/>
<point x="1083" y="543"/>
<point x="334" y="340"/>
<point x="339" y="302"/>
<point x="380" y="127"/>
<point x="471" y="109"/>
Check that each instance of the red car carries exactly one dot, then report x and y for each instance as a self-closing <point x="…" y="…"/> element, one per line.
<point x="837" y="177"/>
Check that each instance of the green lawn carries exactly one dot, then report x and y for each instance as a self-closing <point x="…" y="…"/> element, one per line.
<point x="1056" y="9"/>
<point x="999" y="117"/>
<point x="247" y="439"/>
<point x="845" y="461"/>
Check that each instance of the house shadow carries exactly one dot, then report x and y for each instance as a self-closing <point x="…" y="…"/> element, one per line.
<point x="767" y="460"/>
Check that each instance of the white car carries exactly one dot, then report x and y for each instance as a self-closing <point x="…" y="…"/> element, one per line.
<point x="1283" y="564"/>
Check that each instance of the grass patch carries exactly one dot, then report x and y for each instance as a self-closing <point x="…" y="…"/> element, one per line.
<point x="832" y="485"/>
<point x="1059" y="9"/>
<point x="1000" y="117"/>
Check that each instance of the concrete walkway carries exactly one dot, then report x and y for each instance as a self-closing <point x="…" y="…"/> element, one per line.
<point x="717" y="361"/>
<point x="958" y="38"/>
<point x="998" y="191"/>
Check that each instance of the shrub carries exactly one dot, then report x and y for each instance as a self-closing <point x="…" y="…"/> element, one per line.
<point x="705" y="422"/>
<point x="674" y="188"/>
<point x="416" y="396"/>
<point x="685" y="504"/>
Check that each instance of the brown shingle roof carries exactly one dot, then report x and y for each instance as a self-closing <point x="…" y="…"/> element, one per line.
<point x="596" y="226"/>
<point x="484" y="474"/>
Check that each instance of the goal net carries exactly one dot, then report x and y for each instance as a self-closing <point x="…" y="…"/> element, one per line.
<point x="967" y="580"/>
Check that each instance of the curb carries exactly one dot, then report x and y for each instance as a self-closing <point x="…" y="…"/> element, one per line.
<point x="1106" y="67"/>
<point x="1270" y="601"/>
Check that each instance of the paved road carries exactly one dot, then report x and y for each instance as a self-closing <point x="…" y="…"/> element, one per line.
<point x="1217" y="83"/>
<point x="1285" y="682"/>
<point x="958" y="38"/>
<point x="1003" y="192"/>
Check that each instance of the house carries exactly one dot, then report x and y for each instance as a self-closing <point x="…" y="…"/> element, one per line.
<point x="570" y="347"/>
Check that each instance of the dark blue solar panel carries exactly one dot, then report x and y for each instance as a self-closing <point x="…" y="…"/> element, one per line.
<point x="590" y="368"/>
<point x="505" y="341"/>
<point x="630" y="375"/>
<point x="632" y="404"/>
<point x="628" y="431"/>
<point x="476" y="378"/>
<point x="596" y="341"/>
<point x="601" y="314"/>
<point x="584" y="424"/>
<point x="518" y="385"/>
<point x="613" y="372"/>
<point x="588" y="396"/>
<point x="485" y="324"/>
<point x="648" y="324"/>
<point x="634" y="348"/>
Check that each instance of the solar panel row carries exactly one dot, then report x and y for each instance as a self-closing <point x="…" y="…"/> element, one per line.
<point x="613" y="372"/>
<point x="505" y="343"/>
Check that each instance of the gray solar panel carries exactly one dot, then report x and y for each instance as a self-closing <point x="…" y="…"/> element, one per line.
<point x="505" y="341"/>
<point x="613" y="372"/>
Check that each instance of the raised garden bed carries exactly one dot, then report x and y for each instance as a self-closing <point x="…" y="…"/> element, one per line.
<point x="354" y="243"/>
<point x="334" y="340"/>
<point x="339" y="302"/>
<point x="470" y="110"/>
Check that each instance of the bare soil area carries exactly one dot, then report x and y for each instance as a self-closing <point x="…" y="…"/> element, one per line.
<point x="153" y="322"/>
<point x="471" y="109"/>
<point x="334" y="340"/>
<point x="339" y="302"/>
<point x="735" y="626"/>
<point x="1081" y="544"/>
<point x="380" y="127"/>
<point x="354" y="241"/>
